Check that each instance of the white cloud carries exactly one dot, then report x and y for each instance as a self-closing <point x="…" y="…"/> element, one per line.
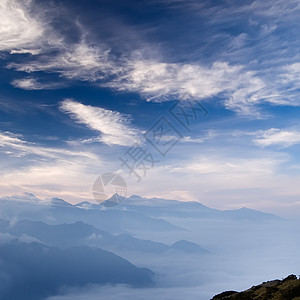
<point x="7" y="238"/>
<point x="161" y="81"/>
<point x="18" y="30"/>
<point x="34" y="84"/>
<point x="24" y="51"/>
<point x="241" y="90"/>
<point x="279" y="137"/>
<point x="207" y="136"/>
<point x="22" y="33"/>
<point x="188" y="139"/>
<point x="234" y="167"/>
<point x="154" y="80"/>
<point x="15" y="145"/>
<point x="292" y="72"/>
<point x="114" y="127"/>
<point x="49" y="171"/>
<point x="79" y="61"/>
<point x="70" y="179"/>
<point x="271" y="8"/>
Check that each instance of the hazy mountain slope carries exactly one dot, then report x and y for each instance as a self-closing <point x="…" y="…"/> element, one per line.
<point x="32" y="271"/>
<point x="188" y="247"/>
<point x="79" y="233"/>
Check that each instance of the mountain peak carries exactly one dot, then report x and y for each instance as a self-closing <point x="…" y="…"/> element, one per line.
<point x="188" y="247"/>
<point x="59" y="201"/>
<point x="114" y="200"/>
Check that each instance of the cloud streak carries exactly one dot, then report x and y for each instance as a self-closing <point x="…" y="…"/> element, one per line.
<point x="278" y="137"/>
<point x="34" y="84"/>
<point x="15" y="145"/>
<point x="156" y="81"/>
<point x="79" y="61"/>
<point x="68" y="172"/>
<point x="114" y="127"/>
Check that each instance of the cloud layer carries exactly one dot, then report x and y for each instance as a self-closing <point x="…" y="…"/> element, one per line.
<point x="278" y="137"/>
<point x="242" y="87"/>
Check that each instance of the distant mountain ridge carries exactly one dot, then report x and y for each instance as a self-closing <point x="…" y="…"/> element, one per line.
<point x="133" y="214"/>
<point x="79" y="233"/>
<point x="159" y="207"/>
<point x="57" y="211"/>
<point x="156" y="207"/>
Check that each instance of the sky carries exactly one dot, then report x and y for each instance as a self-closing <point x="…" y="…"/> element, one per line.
<point x="187" y="100"/>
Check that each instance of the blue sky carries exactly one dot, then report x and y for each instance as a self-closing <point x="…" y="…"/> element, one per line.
<point x="82" y="82"/>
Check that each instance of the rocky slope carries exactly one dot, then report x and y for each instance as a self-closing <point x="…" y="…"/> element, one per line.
<point x="286" y="289"/>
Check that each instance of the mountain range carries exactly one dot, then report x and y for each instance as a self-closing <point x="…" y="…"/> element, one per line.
<point x="49" y="245"/>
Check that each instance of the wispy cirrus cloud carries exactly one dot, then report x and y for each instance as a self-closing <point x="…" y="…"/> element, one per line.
<point x="23" y="31"/>
<point x="273" y="8"/>
<point x="33" y="84"/>
<point x="114" y="127"/>
<point x="278" y="137"/>
<point x="19" y="31"/>
<point x="16" y="145"/>
<point x="210" y="134"/>
<point x="292" y="73"/>
<point x="241" y="90"/>
<point x="153" y="79"/>
<point x="79" y="61"/>
<point x="235" y="167"/>
<point x="71" y="179"/>
<point x="242" y="87"/>
<point x="269" y="8"/>
<point x="160" y="81"/>
<point x="67" y="171"/>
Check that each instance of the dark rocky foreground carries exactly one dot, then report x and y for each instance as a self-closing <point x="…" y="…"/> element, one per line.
<point x="286" y="289"/>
